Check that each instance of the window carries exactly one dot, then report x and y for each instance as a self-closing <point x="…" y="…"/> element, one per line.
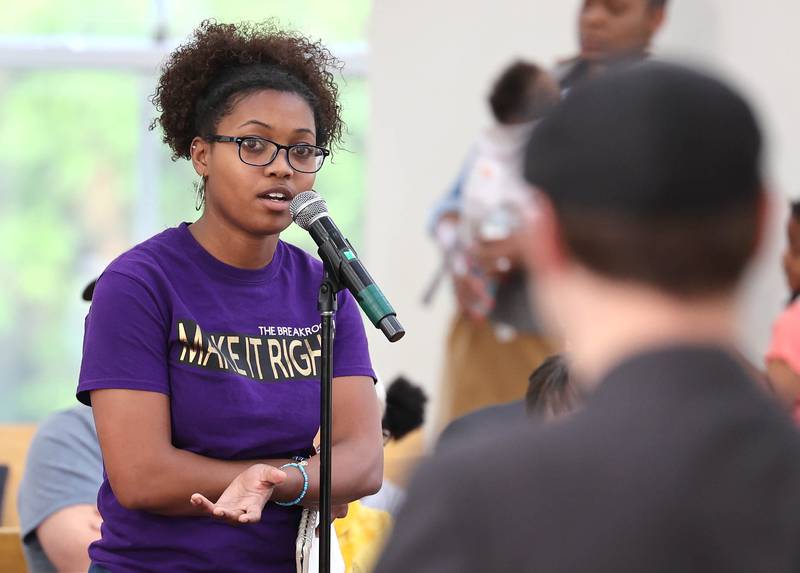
<point x="82" y="178"/>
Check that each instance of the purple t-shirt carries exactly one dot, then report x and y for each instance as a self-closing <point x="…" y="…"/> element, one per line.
<point x="238" y="353"/>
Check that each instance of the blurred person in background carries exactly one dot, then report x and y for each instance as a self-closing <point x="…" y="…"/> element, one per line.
<point x="649" y="208"/>
<point x="362" y="532"/>
<point x="783" y="355"/>
<point x="485" y="362"/>
<point x="201" y="348"/>
<point x="494" y="340"/>
<point x="57" y="497"/>
<point x="611" y="33"/>
<point x="550" y="395"/>
<point x="58" y="493"/>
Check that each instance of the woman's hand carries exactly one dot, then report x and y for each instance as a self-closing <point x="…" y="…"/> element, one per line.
<point x="244" y="499"/>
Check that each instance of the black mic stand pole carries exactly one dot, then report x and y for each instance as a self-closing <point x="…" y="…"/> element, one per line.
<point x="327" y="306"/>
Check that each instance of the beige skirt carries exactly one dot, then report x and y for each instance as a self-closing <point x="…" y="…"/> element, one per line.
<point x="481" y="369"/>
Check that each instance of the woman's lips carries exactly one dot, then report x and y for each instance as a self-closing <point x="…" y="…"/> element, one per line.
<point x="275" y="203"/>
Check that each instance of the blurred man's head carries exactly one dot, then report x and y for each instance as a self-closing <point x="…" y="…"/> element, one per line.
<point x="649" y="179"/>
<point x="611" y="29"/>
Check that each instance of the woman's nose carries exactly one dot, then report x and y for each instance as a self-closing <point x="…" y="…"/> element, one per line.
<point x="280" y="165"/>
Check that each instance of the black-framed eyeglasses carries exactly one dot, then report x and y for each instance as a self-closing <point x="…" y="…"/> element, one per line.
<point x="260" y="152"/>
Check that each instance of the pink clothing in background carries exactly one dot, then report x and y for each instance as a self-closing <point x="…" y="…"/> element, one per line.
<point x="785" y="343"/>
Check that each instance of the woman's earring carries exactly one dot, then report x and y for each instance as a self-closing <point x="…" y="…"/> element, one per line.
<point x="200" y="193"/>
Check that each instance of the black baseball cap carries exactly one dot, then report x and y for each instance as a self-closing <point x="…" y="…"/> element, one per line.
<point x="654" y="139"/>
<point x="88" y="291"/>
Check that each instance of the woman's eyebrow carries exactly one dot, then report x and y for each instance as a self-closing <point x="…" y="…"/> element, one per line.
<point x="256" y="122"/>
<point x="268" y="126"/>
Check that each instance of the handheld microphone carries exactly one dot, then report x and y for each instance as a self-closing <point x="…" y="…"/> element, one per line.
<point x="310" y="212"/>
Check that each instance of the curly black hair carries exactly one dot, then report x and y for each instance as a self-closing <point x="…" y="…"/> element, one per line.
<point x="405" y="408"/>
<point x="203" y="79"/>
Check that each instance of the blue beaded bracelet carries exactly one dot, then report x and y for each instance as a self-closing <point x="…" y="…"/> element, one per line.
<point x="300" y="497"/>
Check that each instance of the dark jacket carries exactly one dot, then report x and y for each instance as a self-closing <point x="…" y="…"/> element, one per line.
<point x="678" y="462"/>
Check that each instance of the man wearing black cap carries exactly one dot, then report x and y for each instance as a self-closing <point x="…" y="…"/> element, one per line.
<point x="649" y="207"/>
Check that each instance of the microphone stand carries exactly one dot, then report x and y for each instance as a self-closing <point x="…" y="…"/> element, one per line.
<point x="327" y="306"/>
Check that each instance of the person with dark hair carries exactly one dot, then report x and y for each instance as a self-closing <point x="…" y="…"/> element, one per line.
<point x="549" y="396"/>
<point x="361" y="532"/>
<point x="202" y="349"/>
<point x="649" y="206"/>
<point x="494" y="335"/>
<point x="522" y="93"/>
<point x="612" y="33"/>
<point x="783" y="357"/>
<point x="405" y="409"/>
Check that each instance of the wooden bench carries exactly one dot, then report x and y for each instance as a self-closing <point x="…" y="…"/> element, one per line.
<point x="14" y="442"/>
<point x="11" y="558"/>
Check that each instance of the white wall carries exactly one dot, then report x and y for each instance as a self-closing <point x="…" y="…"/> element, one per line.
<point x="755" y="45"/>
<point x="430" y="67"/>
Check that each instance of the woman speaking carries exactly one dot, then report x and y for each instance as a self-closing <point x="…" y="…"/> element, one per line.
<point x="202" y="346"/>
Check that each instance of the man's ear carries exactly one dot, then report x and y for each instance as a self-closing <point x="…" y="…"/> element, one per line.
<point x="657" y="17"/>
<point x="199" y="149"/>
<point x="766" y="209"/>
<point x="543" y="246"/>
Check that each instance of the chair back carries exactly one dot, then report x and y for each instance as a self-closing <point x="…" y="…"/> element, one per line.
<point x="14" y="442"/>
<point x="12" y="560"/>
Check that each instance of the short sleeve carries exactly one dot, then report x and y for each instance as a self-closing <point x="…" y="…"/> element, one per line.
<point x="785" y="343"/>
<point x="125" y="343"/>
<point x="64" y="467"/>
<point x="350" y="348"/>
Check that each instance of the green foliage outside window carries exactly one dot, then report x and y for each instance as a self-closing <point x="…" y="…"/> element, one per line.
<point x="70" y="188"/>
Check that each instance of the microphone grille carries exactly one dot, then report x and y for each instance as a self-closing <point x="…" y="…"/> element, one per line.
<point x="305" y="207"/>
